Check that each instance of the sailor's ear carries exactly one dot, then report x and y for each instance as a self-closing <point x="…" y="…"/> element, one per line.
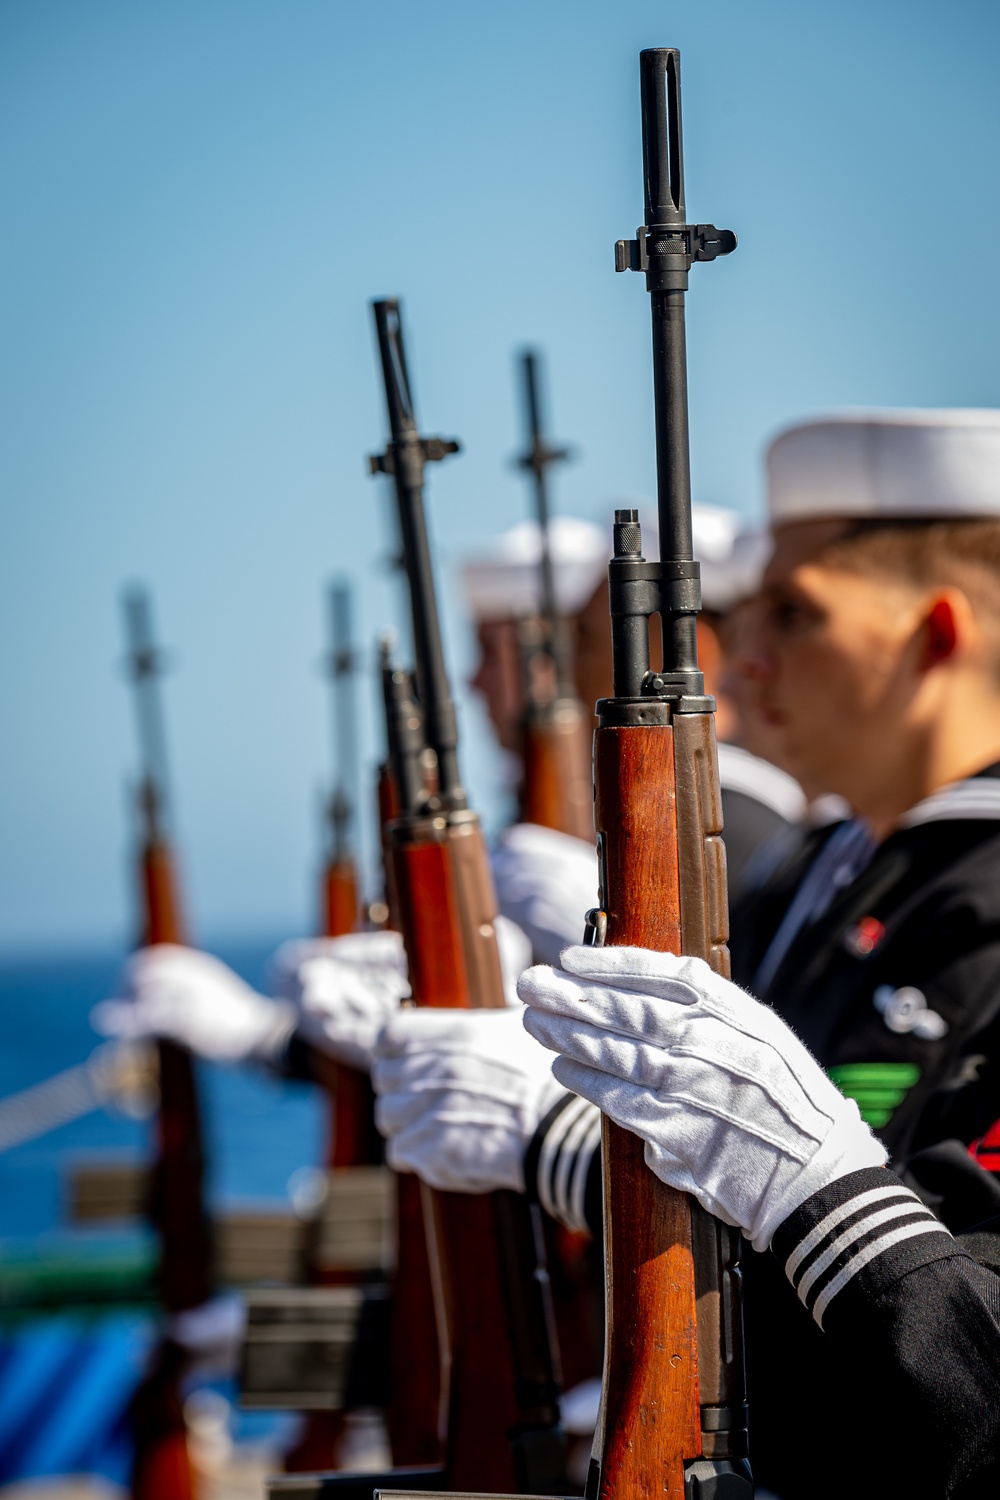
<point x="948" y="627"/>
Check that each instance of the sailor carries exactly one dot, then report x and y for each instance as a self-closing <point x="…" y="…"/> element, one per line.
<point x="872" y="656"/>
<point x="545" y="879"/>
<point x="733" y="1109"/>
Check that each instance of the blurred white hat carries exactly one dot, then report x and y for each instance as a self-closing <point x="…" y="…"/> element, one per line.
<point x="932" y="464"/>
<point x="732" y="554"/>
<point x="503" y="582"/>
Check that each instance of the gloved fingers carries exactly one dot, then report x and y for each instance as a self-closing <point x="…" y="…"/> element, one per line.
<point x="708" y="1066"/>
<point x="441" y="1155"/>
<point x="608" y="1051"/>
<point x="671" y="1170"/>
<point x="671" y="1001"/>
<point x="778" y="1065"/>
<point x="486" y="1078"/>
<point x="667" y="976"/>
<point x="493" y="1032"/>
<point x="353" y="1048"/>
<point x="170" y="963"/>
<point x="514" y="949"/>
<point x="647" y="971"/>
<point x="377" y="948"/>
<point x="628" y="1012"/>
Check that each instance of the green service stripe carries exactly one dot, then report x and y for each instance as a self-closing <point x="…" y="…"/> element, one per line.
<point x="876" y="1098"/>
<point x="850" y="1076"/>
<point x="876" y="1118"/>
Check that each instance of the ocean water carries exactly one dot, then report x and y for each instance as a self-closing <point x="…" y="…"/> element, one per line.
<point x="258" y="1128"/>
<point x="66" y="1378"/>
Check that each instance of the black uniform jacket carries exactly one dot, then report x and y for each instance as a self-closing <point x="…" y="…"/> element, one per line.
<point x="873" y="1333"/>
<point x="890" y="973"/>
<point x="895" y="988"/>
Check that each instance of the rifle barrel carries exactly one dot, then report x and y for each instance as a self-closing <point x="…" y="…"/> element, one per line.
<point x="405" y="459"/>
<point x="537" y="460"/>
<point x="145" y="664"/>
<point x="342" y="662"/>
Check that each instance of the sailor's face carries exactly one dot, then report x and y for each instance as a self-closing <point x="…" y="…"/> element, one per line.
<point x="498" y="679"/>
<point x="826" y="661"/>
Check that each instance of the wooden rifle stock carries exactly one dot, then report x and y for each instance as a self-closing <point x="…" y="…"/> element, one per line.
<point x="340" y="897"/>
<point x="674" y="1361"/>
<point x="499" y="1381"/>
<point x="162" y="1468"/>
<point x="557" y="790"/>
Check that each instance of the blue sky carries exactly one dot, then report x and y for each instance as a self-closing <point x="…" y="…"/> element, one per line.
<point x="198" y="199"/>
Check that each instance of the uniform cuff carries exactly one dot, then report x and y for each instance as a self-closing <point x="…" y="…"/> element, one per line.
<point x="855" y="1237"/>
<point x="563" y="1161"/>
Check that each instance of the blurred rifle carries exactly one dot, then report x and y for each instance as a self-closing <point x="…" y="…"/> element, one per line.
<point x="673" y="1414"/>
<point x="353" y="1139"/>
<point x="556" y="791"/>
<point x="499" y="1368"/>
<point x="162" y="1468"/>
<point x="356" y="1141"/>
<point x="340" y="876"/>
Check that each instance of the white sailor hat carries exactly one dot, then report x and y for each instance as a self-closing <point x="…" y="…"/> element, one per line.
<point x="906" y="464"/>
<point x="503" y="583"/>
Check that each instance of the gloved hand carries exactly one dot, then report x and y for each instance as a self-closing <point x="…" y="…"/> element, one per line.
<point x="461" y="1093"/>
<point x="181" y="995"/>
<point x="731" y="1106"/>
<point x="343" y="989"/>
<point x="514" y="948"/>
<point x="546" y="882"/>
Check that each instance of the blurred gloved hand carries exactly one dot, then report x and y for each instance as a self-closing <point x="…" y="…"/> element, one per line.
<point x="730" y="1104"/>
<point x="343" y="989"/>
<point x="546" y="882"/>
<point x="181" y="995"/>
<point x="461" y="1093"/>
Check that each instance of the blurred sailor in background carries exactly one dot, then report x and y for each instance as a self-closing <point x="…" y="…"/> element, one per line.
<point x="545" y="879"/>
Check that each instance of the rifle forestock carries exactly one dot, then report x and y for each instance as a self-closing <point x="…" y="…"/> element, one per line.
<point x="557" y="790"/>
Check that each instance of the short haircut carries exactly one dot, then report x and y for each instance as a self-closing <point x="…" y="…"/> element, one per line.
<point x="964" y="554"/>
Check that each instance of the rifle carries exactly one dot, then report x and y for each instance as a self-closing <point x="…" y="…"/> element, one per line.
<point x="556" y="790"/>
<point x="673" y="1414"/>
<point x="340" y="877"/>
<point x="353" y="1140"/>
<point x="499" y="1369"/>
<point x="162" y="1469"/>
<point x="356" y="1141"/>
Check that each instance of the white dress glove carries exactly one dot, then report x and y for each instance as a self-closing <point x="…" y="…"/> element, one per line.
<point x="343" y="989"/>
<point x="546" y="882"/>
<point x="461" y="1093"/>
<point x="730" y="1104"/>
<point x="181" y="995"/>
